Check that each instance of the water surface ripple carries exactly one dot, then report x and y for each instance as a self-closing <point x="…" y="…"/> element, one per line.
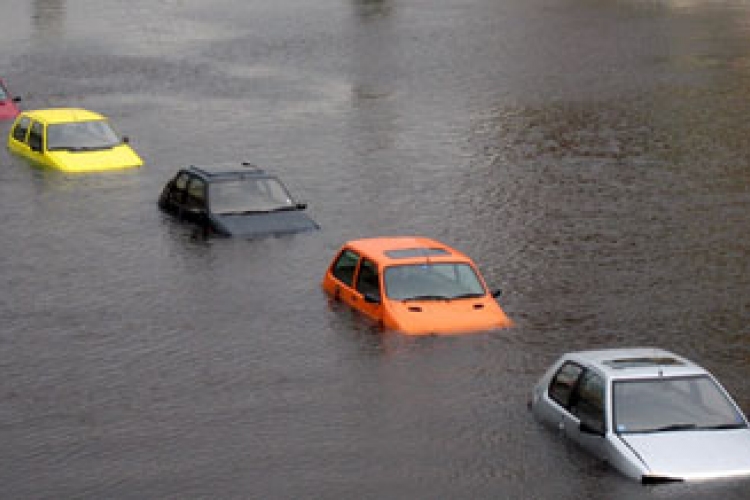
<point x="591" y="156"/>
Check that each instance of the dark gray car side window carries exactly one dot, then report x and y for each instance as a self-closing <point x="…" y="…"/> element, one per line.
<point x="564" y="382"/>
<point x="177" y="189"/>
<point x="181" y="181"/>
<point x="196" y="194"/>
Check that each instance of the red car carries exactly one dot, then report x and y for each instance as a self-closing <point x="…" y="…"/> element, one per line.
<point x="8" y="108"/>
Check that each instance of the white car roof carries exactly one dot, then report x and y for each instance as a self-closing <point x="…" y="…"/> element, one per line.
<point x="638" y="362"/>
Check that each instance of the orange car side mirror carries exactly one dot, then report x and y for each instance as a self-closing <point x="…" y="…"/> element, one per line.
<point x="371" y="298"/>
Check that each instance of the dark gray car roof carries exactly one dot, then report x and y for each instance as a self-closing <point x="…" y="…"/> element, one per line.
<point x="220" y="171"/>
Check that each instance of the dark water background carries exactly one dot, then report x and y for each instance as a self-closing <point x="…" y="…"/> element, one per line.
<point x="592" y="156"/>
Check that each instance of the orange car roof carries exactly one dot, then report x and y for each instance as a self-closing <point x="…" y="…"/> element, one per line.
<point x="63" y="115"/>
<point x="392" y="250"/>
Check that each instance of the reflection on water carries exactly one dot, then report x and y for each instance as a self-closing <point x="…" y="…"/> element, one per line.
<point x="370" y="9"/>
<point x="637" y="194"/>
<point x="48" y="18"/>
<point x="579" y="152"/>
<point x="372" y="56"/>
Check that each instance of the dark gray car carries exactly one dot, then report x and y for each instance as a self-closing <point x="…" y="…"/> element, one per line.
<point x="234" y="200"/>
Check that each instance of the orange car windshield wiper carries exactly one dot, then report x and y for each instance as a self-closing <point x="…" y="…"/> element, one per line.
<point x="469" y="295"/>
<point x="427" y="297"/>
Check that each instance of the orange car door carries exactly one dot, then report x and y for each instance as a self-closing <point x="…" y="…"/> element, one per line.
<point x="342" y="272"/>
<point x="366" y="294"/>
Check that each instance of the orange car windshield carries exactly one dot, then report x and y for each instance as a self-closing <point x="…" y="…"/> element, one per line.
<point x="432" y="281"/>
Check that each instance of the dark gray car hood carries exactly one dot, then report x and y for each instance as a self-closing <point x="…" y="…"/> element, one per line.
<point x="263" y="224"/>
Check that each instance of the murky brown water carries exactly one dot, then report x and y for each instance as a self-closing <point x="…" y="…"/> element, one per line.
<point x="591" y="156"/>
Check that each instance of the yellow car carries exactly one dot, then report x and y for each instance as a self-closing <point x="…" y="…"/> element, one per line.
<point x="70" y="139"/>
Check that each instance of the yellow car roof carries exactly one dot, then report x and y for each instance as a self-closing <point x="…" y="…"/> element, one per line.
<point x="63" y="115"/>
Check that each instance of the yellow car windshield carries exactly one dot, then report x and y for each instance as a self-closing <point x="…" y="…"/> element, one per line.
<point x="81" y="136"/>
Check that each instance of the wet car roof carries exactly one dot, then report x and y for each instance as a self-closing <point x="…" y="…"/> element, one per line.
<point x="636" y="363"/>
<point x="228" y="171"/>
<point x="63" y="115"/>
<point x="397" y="250"/>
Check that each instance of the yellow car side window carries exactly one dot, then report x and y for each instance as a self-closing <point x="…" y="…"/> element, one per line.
<point x="19" y="132"/>
<point x="35" y="136"/>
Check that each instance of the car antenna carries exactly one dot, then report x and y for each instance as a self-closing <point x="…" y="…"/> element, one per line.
<point x="426" y="253"/>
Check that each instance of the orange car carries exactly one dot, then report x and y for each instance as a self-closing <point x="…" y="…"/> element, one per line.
<point x="415" y="285"/>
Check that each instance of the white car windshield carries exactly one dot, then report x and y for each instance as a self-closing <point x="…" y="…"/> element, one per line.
<point x="432" y="281"/>
<point x="81" y="136"/>
<point x="248" y="194"/>
<point x="672" y="404"/>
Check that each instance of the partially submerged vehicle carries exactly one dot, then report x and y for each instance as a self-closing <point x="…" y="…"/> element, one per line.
<point x="653" y="415"/>
<point x="414" y="285"/>
<point x="70" y="139"/>
<point x="234" y="200"/>
<point x="8" y="103"/>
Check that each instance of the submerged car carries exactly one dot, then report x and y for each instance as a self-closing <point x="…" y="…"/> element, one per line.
<point x="234" y="200"/>
<point x="8" y="108"/>
<point x="651" y="414"/>
<point x="71" y="140"/>
<point x="414" y="285"/>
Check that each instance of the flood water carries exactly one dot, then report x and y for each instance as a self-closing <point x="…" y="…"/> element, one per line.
<point x="591" y="156"/>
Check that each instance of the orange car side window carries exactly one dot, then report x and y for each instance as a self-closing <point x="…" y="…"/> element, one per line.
<point x="343" y="268"/>
<point x="367" y="279"/>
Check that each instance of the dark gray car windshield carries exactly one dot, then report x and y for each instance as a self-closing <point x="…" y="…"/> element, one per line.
<point x="81" y="136"/>
<point x="248" y="194"/>
<point x="672" y="404"/>
<point x="432" y="281"/>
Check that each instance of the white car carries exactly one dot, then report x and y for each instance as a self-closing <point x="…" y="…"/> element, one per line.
<point x="651" y="414"/>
